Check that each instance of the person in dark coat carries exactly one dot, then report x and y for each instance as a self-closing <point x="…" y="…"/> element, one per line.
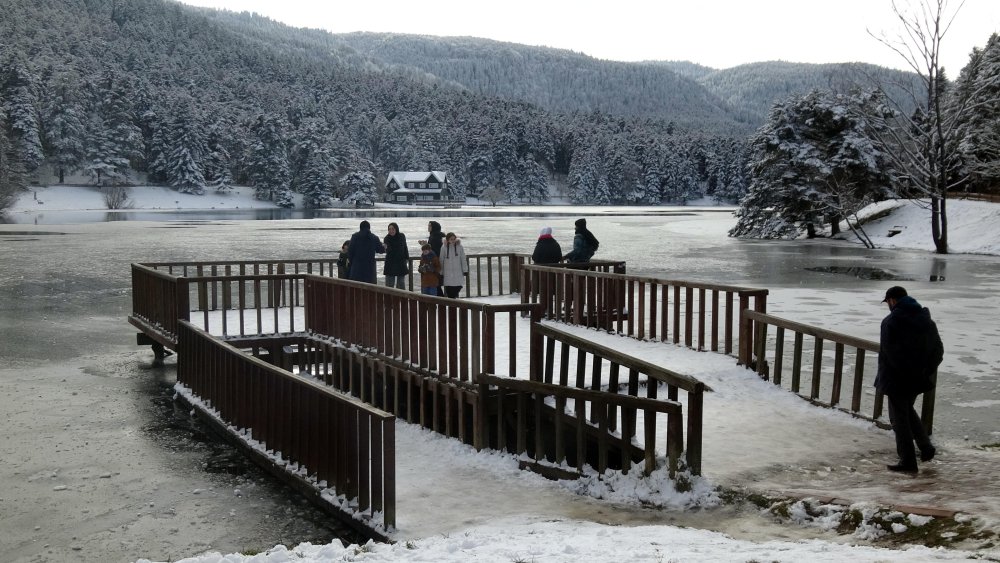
<point x="584" y="243"/>
<point x="343" y="264"/>
<point x="361" y="254"/>
<point x="397" y="258"/>
<point x="910" y="351"/>
<point x="547" y="249"/>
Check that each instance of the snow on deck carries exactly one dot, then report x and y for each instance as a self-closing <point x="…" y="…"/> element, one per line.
<point x="756" y="436"/>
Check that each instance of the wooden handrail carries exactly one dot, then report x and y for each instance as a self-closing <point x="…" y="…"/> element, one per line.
<point x="357" y="460"/>
<point x="822" y="377"/>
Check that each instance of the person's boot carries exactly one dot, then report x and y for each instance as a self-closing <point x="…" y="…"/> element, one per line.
<point x="928" y="454"/>
<point x="903" y="467"/>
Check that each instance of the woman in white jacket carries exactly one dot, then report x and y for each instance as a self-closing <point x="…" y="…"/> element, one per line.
<point x="454" y="266"/>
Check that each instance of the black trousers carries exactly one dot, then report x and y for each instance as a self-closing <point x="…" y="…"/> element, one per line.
<point x="452" y="291"/>
<point x="907" y="427"/>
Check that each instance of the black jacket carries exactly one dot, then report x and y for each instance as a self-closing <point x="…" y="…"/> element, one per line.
<point x="361" y="254"/>
<point x="436" y="237"/>
<point x="910" y="350"/>
<point x="397" y="256"/>
<point x="547" y="251"/>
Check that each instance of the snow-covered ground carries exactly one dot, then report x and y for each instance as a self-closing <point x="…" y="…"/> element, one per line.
<point x="544" y="537"/>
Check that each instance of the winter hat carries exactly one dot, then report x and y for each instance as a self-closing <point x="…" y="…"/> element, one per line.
<point x="366" y="226"/>
<point x="582" y="223"/>
<point x="895" y="292"/>
<point x="546" y="231"/>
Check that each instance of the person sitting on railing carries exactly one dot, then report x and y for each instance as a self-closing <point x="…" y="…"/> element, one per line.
<point x="454" y="265"/>
<point x="430" y="271"/>
<point x="343" y="263"/>
<point x="547" y="249"/>
<point x="584" y="243"/>
<point x="361" y="253"/>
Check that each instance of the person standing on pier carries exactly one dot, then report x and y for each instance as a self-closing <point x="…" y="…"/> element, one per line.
<point x="397" y="258"/>
<point x="430" y="271"/>
<point x="454" y="265"/>
<point x="435" y="237"/>
<point x="361" y="254"/>
<point x="910" y="351"/>
<point x="584" y="243"/>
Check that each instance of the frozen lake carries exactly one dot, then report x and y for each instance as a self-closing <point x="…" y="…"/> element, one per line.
<point x="84" y="403"/>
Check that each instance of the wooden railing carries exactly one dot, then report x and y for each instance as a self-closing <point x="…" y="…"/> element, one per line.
<point x="451" y="337"/>
<point x="333" y="437"/>
<point x="820" y="373"/>
<point x="493" y="274"/>
<point x="699" y="315"/>
<point x="605" y="407"/>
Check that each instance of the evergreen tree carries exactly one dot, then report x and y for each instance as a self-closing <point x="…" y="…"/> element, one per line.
<point x="358" y="188"/>
<point x="12" y="174"/>
<point x="64" y="117"/>
<point x="18" y="86"/>
<point x="114" y="138"/>
<point x="977" y="90"/>
<point x="186" y="148"/>
<point x="814" y="161"/>
<point x="267" y="162"/>
<point x="217" y="161"/>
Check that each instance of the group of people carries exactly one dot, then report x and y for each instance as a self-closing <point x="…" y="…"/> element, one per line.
<point x="442" y="265"/>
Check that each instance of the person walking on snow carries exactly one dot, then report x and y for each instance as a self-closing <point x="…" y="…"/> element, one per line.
<point x="910" y="351"/>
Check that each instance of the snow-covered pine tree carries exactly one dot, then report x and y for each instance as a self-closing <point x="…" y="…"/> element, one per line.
<point x="64" y="117"/>
<point x="12" y="174"/>
<point x="358" y="188"/>
<point x="815" y="160"/>
<point x="217" y="162"/>
<point x="267" y="161"/>
<point x="18" y="88"/>
<point x="977" y="90"/>
<point x="113" y="137"/>
<point x="186" y="147"/>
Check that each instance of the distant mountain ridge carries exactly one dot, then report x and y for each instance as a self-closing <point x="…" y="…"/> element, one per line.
<point x="687" y="93"/>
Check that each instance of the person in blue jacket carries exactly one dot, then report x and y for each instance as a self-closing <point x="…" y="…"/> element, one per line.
<point x="584" y="243"/>
<point x="361" y="254"/>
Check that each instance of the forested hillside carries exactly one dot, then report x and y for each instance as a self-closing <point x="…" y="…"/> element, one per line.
<point x="110" y="87"/>
<point x="751" y="90"/>
<point x="558" y="80"/>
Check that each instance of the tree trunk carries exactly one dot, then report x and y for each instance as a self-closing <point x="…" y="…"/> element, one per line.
<point x="939" y="218"/>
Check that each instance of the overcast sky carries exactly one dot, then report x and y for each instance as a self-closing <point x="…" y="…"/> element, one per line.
<point x="715" y="33"/>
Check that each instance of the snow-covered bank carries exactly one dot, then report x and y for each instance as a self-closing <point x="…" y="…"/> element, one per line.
<point x="146" y="198"/>
<point x="973" y="226"/>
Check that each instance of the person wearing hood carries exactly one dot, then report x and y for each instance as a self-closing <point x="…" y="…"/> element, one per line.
<point x="547" y="249"/>
<point x="454" y="266"/>
<point x="397" y="258"/>
<point x="910" y="351"/>
<point x="361" y="254"/>
<point x="584" y="243"/>
<point x="435" y="237"/>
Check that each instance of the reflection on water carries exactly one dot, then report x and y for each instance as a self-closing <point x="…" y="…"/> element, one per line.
<point x="76" y="217"/>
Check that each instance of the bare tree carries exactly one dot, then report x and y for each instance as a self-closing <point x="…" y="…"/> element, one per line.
<point x="926" y="141"/>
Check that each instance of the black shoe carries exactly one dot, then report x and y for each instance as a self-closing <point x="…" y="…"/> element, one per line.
<point x="928" y="454"/>
<point x="903" y="467"/>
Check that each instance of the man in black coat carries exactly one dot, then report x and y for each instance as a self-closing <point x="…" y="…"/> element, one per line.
<point x="584" y="243"/>
<point x="909" y="354"/>
<point x="361" y="254"/>
<point x="547" y="250"/>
